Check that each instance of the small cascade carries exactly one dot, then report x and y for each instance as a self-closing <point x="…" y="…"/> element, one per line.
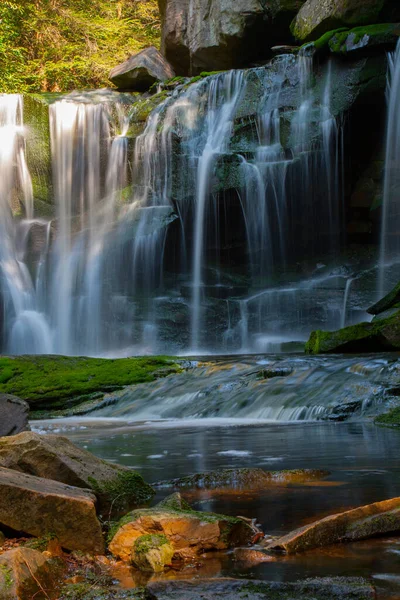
<point x="390" y="229"/>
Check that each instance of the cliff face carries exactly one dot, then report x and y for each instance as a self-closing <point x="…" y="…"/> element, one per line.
<point x="200" y="35"/>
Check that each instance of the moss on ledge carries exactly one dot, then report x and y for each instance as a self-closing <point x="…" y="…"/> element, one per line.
<point x="60" y="382"/>
<point x="364" y="337"/>
<point x="344" y="40"/>
<point x="389" y="419"/>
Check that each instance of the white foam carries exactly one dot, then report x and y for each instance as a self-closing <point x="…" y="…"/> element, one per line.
<point x="234" y="453"/>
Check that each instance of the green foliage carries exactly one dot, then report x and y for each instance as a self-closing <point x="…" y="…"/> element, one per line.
<point x="60" y="45"/>
<point x="390" y="419"/>
<point x="49" y="382"/>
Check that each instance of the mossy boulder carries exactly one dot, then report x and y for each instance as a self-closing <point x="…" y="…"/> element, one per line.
<point x="360" y="39"/>
<point x="389" y="419"/>
<point x="117" y="489"/>
<point x="152" y="552"/>
<point x="26" y="574"/>
<point x="189" y="532"/>
<point x="316" y="17"/>
<point x="380" y="335"/>
<point x="357" y="524"/>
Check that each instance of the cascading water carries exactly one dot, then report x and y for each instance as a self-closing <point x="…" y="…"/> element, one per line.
<point x="390" y="229"/>
<point x="144" y="233"/>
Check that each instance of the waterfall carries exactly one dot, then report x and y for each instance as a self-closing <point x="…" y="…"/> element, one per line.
<point x="145" y="226"/>
<point x="390" y="229"/>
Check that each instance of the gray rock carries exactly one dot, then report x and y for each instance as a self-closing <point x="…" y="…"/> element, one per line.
<point x="335" y="588"/>
<point x="14" y="414"/>
<point x="201" y="36"/>
<point x="317" y="17"/>
<point x="140" y="71"/>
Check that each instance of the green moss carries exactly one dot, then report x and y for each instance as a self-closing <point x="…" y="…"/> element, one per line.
<point x="126" y="490"/>
<point x="6" y="572"/>
<point x="143" y="107"/>
<point x="389" y="419"/>
<point x="322" y="43"/>
<point x="144" y="543"/>
<point x="344" y="41"/>
<point x="67" y="44"/>
<point x="57" y="382"/>
<point x="40" y="544"/>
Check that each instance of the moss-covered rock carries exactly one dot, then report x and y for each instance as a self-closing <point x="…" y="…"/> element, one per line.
<point x="389" y="419"/>
<point x="152" y="552"/>
<point x="387" y="302"/>
<point x="56" y="383"/>
<point x="316" y="18"/>
<point x="362" y="38"/>
<point x="190" y="532"/>
<point x="377" y="336"/>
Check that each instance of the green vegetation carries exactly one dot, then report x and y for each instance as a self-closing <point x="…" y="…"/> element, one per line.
<point x="6" y="572"/>
<point x="389" y="419"/>
<point x="60" y="45"/>
<point x="56" y="382"/>
<point x="144" y="543"/>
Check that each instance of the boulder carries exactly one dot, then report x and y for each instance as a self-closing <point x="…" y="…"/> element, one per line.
<point x="14" y="414"/>
<point x="39" y="507"/>
<point x="357" y="524"/>
<point x="190" y="533"/>
<point x="335" y="588"/>
<point x="317" y="17"/>
<point x="380" y="335"/>
<point x="26" y="574"/>
<point x="152" y="552"/>
<point x="117" y="489"/>
<point x="361" y="39"/>
<point x="199" y="36"/>
<point x="242" y="479"/>
<point x="141" y="70"/>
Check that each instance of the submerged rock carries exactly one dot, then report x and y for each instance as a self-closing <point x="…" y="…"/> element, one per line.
<point x="242" y="479"/>
<point x="40" y="506"/>
<point x="380" y="335"/>
<point x="140" y="71"/>
<point x="117" y="489"/>
<point x="316" y="18"/>
<point x="335" y="588"/>
<point x="357" y="524"/>
<point x="14" y="414"/>
<point x="26" y="574"/>
<point x="190" y="533"/>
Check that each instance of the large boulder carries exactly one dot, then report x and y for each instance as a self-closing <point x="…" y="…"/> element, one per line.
<point x="357" y="524"/>
<point x="335" y="588"/>
<point x="317" y="17"/>
<point x="200" y="36"/>
<point x="190" y="532"/>
<point x="41" y="507"/>
<point x="141" y="70"/>
<point x="391" y="300"/>
<point x="26" y="574"/>
<point x="14" y="414"/>
<point x="380" y="335"/>
<point x="117" y="489"/>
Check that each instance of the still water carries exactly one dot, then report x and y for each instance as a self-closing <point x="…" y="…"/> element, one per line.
<point x="362" y="460"/>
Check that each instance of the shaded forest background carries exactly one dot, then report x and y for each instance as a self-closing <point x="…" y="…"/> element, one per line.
<point x="61" y="45"/>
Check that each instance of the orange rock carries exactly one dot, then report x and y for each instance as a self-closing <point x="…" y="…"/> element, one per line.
<point x="357" y="524"/>
<point x="26" y="574"/>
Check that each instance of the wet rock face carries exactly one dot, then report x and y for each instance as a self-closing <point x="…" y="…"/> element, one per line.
<point x="26" y="574"/>
<point x="336" y="588"/>
<point x="14" y="414"/>
<point x="55" y="457"/>
<point x="140" y="71"/>
<point x="317" y="17"/>
<point x="200" y="36"/>
<point x="40" y="506"/>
